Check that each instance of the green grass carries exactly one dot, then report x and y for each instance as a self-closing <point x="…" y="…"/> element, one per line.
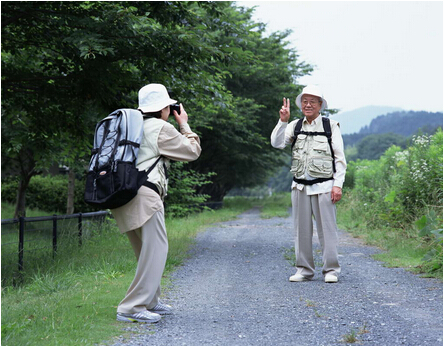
<point x="72" y="300"/>
<point x="9" y="209"/>
<point x="403" y="247"/>
<point x="277" y="205"/>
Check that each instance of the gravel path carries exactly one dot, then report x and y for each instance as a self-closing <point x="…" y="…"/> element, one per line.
<point x="235" y="291"/>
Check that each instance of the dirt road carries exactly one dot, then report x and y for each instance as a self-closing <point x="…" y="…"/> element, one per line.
<point x="235" y="291"/>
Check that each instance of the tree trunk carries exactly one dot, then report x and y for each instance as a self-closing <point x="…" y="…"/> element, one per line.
<point x="27" y="171"/>
<point x="216" y="191"/>
<point x="20" y="205"/>
<point x="71" y="186"/>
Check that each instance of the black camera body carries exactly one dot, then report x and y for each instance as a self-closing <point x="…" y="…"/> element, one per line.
<point x="174" y="107"/>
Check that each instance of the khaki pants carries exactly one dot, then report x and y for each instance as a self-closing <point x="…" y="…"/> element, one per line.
<point x="150" y="246"/>
<point x="324" y="211"/>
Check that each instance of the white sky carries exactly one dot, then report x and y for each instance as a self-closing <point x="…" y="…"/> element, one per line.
<point x="381" y="53"/>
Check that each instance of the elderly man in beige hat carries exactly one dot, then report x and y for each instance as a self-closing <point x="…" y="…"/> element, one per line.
<point x="318" y="167"/>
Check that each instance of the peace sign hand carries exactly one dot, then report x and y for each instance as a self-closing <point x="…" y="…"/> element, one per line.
<point x="284" y="113"/>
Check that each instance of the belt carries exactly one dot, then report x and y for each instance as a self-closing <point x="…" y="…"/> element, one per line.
<point x="311" y="182"/>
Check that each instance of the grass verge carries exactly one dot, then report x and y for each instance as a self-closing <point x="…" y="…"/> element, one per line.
<point x="403" y="247"/>
<point x="277" y="205"/>
<point x="8" y="210"/>
<point x="73" y="300"/>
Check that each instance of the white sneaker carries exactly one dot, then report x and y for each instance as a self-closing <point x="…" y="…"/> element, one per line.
<point x="298" y="278"/>
<point x="143" y="316"/>
<point x="331" y="278"/>
<point x="162" y="309"/>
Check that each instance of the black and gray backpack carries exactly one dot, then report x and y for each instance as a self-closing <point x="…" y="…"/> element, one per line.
<point x="113" y="179"/>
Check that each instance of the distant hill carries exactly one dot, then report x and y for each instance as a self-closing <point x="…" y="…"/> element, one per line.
<point x="353" y="121"/>
<point x="401" y="123"/>
<point x="404" y="123"/>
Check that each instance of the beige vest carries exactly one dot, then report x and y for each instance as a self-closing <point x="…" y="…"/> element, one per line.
<point x="149" y="153"/>
<point x="311" y="155"/>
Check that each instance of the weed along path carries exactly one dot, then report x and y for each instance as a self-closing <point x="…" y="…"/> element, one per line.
<point x="235" y="291"/>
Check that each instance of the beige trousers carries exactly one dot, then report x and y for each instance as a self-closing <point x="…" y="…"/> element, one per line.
<point x="150" y="246"/>
<point x="324" y="211"/>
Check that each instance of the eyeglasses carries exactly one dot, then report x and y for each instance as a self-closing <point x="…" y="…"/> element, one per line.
<point x="312" y="102"/>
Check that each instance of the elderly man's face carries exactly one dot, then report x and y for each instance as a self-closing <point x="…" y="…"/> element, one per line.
<point x="311" y="106"/>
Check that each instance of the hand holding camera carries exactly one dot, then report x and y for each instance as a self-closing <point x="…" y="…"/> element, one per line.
<point x="179" y="113"/>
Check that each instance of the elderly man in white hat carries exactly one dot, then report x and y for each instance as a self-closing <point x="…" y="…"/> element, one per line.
<point x="142" y="219"/>
<point x="318" y="167"/>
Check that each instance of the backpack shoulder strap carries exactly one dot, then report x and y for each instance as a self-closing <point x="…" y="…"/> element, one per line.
<point x="327" y="130"/>
<point x="327" y="127"/>
<point x="297" y="130"/>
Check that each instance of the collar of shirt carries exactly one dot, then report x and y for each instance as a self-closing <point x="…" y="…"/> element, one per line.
<point x="314" y="122"/>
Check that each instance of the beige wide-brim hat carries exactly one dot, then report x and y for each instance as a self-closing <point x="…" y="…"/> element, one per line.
<point x="311" y="90"/>
<point x="153" y="98"/>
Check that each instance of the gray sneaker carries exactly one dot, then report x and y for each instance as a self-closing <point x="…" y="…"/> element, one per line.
<point x="143" y="316"/>
<point x="162" y="309"/>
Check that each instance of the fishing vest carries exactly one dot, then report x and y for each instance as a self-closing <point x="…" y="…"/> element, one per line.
<point x="312" y="154"/>
<point x="149" y="156"/>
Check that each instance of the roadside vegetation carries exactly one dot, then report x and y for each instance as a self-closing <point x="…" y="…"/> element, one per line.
<point x="72" y="299"/>
<point x="396" y="203"/>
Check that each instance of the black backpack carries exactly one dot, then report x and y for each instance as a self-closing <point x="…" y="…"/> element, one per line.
<point x="113" y="179"/>
<point x="327" y="133"/>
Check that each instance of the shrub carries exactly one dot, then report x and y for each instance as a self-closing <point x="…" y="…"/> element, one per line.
<point x="50" y="193"/>
<point x="182" y="198"/>
<point x="400" y="188"/>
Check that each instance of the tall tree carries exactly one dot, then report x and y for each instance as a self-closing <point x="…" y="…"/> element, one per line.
<point x="262" y="70"/>
<point x="67" y="64"/>
<point x="65" y="61"/>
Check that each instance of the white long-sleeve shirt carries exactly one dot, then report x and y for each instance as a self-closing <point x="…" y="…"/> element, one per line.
<point x="282" y="136"/>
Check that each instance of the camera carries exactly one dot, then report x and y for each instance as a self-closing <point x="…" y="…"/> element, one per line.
<point x="174" y="107"/>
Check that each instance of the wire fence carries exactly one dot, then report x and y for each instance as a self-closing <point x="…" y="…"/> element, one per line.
<point x="30" y="239"/>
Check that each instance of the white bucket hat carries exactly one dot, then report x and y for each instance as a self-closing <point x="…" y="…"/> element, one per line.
<point x="153" y="98"/>
<point x="311" y="90"/>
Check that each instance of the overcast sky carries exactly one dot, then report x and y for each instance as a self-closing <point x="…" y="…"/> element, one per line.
<point x="364" y="52"/>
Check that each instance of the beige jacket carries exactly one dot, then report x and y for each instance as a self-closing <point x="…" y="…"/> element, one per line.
<point x="160" y="138"/>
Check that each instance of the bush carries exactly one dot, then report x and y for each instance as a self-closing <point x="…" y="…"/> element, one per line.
<point x="401" y="187"/>
<point x="182" y="198"/>
<point x="50" y="193"/>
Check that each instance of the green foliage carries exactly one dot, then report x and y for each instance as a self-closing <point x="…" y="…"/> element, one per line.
<point x="281" y="181"/>
<point x="182" y="199"/>
<point x="402" y="187"/>
<point x="66" y="65"/>
<point x="430" y="227"/>
<point x="47" y="193"/>
<point x="372" y="147"/>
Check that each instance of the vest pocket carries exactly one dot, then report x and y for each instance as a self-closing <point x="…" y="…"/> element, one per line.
<point x="320" y="144"/>
<point x="297" y="164"/>
<point x="300" y="142"/>
<point x="320" y="167"/>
